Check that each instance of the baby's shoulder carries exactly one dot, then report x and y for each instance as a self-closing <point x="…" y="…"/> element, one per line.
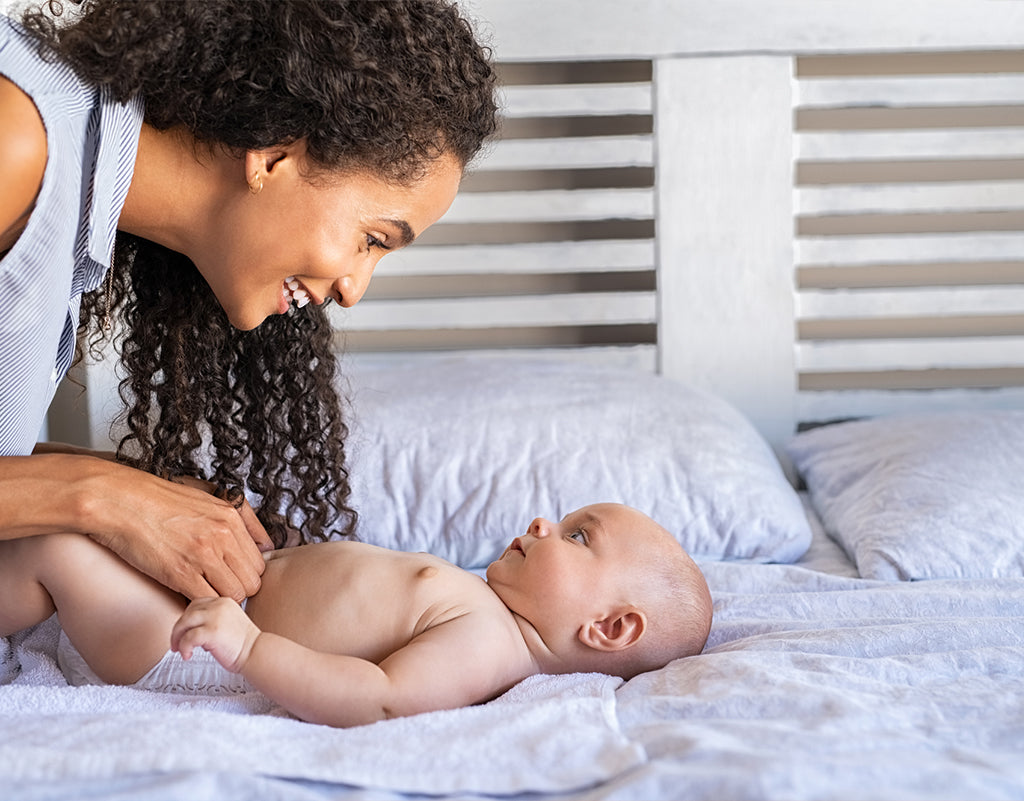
<point x="453" y="592"/>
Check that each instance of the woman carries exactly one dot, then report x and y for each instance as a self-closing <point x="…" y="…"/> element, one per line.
<point x="251" y="158"/>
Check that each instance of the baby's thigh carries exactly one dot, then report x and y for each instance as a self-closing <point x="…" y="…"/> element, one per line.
<point x="118" y="618"/>
<point x="24" y="601"/>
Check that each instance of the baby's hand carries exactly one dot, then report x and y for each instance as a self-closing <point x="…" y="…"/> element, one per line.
<point x="218" y="625"/>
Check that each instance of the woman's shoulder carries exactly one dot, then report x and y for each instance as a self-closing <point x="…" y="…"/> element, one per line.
<point x="23" y="145"/>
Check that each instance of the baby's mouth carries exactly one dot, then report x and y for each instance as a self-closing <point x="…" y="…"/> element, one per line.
<point x="293" y="291"/>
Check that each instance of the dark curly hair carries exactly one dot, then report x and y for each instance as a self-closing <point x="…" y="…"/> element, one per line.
<point x="380" y="85"/>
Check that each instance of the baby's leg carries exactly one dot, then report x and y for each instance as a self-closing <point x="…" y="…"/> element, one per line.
<point x="24" y="601"/>
<point x="119" y="619"/>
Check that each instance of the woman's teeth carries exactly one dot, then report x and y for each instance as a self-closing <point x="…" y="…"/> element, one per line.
<point x="293" y="291"/>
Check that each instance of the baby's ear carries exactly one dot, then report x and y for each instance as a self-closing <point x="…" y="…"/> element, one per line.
<point x="618" y="631"/>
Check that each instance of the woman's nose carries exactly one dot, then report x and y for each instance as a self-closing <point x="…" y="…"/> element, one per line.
<point x="351" y="287"/>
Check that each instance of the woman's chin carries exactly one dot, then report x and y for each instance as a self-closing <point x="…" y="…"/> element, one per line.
<point x="247" y="322"/>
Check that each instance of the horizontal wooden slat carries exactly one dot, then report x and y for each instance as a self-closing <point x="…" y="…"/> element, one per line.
<point x="916" y="327"/>
<point x="959" y="143"/>
<point x="915" y="171"/>
<point x="911" y="354"/>
<point x="522" y="338"/>
<point x="976" y="61"/>
<point x="585" y="308"/>
<point x="910" y="198"/>
<point x="552" y="206"/>
<point x="601" y="255"/>
<point x="532" y="30"/>
<point x="580" y="152"/>
<point x="638" y="357"/>
<point x="920" y="380"/>
<point x="971" y="90"/>
<point x="937" y="273"/>
<point x="888" y="223"/>
<point x="909" y="302"/>
<point x="818" y="406"/>
<point x="561" y="100"/>
<point x="852" y="250"/>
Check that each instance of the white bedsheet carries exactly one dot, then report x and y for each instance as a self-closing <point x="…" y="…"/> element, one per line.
<point x="821" y="687"/>
<point x="565" y="729"/>
<point x="814" y="685"/>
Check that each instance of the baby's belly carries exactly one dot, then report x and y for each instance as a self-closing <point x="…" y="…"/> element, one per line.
<point x="344" y="597"/>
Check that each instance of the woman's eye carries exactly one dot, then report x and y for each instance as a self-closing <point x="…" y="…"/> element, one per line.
<point x="374" y="242"/>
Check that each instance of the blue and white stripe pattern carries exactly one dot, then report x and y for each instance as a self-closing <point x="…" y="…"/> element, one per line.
<point x="66" y="247"/>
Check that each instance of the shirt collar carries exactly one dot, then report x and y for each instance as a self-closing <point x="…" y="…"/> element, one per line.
<point x="119" y="128"/>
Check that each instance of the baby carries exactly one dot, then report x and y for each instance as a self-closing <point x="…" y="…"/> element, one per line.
<point x="346" y="633"/>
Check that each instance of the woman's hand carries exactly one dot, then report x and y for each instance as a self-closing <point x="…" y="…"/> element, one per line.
<point x="179" y="533"/>
<point x="216" y="625"/>
<point x="182" y="536"/>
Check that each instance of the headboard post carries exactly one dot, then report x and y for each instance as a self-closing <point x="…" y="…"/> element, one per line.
<point x="724" y="134"/>
<point x="86" y="403"/>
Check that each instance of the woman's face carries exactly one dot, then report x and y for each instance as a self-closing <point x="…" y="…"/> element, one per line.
<point x="297" y="239"/>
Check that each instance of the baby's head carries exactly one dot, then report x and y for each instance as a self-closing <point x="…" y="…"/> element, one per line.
<point x="606" y="589"/>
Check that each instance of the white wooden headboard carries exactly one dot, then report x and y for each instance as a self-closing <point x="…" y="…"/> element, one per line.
<point x="814" y="208"/>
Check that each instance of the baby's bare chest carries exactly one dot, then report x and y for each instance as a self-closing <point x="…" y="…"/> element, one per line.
<point x="359" y="600"/>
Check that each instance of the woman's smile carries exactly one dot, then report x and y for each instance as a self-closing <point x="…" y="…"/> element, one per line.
<point x="292" y="291"/>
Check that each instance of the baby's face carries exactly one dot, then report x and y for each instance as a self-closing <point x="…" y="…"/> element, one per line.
<point x="559" y="575"/>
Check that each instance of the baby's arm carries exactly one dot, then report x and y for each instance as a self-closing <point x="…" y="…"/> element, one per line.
<point x="455" y="664"/>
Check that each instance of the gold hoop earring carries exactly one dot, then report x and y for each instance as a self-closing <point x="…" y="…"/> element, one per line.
<point x="257" y="187"/>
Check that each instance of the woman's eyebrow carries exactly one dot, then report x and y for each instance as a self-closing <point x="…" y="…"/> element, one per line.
<point x="405" y="233"/>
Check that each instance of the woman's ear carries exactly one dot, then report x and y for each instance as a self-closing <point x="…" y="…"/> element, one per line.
<point x="259" y="164"/>
<point x="616" y="632"/>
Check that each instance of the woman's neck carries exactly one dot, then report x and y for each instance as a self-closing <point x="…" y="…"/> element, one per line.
<point x="173" y="186"/>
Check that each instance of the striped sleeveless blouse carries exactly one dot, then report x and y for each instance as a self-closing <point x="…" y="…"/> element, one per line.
<point x="66" y="247"/>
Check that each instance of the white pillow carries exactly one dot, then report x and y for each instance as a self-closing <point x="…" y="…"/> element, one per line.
<point x="936" y="495"/>
<point x="456" y="456"/>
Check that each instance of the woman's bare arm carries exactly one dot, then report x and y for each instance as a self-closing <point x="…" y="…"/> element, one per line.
<point x="182" y="536"/>
<point x="23" y="149"/>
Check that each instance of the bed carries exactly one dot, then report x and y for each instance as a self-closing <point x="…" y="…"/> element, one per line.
<point x="754" y="268"/>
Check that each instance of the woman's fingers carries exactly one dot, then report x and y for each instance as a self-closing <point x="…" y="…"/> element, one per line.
<point x="223" y="559"/>
<point x="181" y="535"/>
<point x="257" y="533"/>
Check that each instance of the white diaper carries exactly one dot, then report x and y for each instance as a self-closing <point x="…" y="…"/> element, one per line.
<point x="200" y="675"/>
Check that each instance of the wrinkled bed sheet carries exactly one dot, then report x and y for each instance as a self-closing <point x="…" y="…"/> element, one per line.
<point x="815" y="685"/>
<point x="825" y="687"/>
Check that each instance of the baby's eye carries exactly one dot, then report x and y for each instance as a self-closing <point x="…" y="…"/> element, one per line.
<point x="580" y="536"/>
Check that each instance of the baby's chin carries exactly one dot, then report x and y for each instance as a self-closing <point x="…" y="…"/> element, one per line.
<point x="495" y="581"/>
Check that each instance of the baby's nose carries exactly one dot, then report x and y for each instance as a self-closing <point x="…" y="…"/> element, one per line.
<point x="539" y="527"/>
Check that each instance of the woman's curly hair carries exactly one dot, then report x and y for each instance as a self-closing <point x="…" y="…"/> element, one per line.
<point x="380" y="85"/>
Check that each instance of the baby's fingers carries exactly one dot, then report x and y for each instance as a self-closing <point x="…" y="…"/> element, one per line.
<point x="217" y="625"/>
<point x="187" y="633"/>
